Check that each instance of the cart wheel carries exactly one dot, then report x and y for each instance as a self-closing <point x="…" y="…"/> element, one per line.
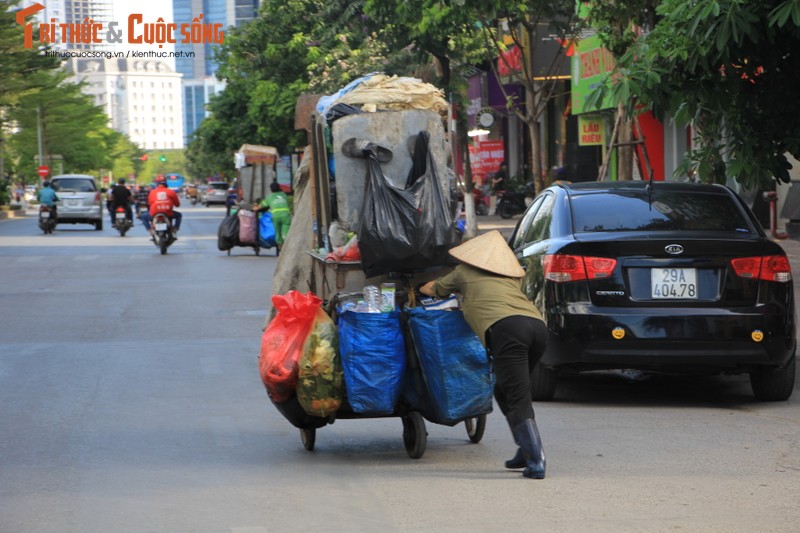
<point x="415" y="437"/>
<point x="475" y="427"/>
<point x="308" y="437"/>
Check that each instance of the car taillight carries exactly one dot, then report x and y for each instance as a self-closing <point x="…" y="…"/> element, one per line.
<point x="767" y="267"/>
<point x="97" y="197"/>
<point x="560" y="268"/>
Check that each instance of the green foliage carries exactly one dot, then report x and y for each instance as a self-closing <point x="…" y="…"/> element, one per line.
<point x="729" y="69"/>
<point x="71" y="125"/>
<point x="264" y="64"/>
<point x="17" y="63"/>
<point x="124" y="155"/>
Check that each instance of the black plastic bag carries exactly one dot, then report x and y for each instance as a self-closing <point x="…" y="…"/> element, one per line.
<point x="228" y="233"/>
<point x="340" y="110"/>
<point x="404" y="230"/>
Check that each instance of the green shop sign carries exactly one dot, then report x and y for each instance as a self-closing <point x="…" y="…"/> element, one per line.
<point x="591" y="64"/>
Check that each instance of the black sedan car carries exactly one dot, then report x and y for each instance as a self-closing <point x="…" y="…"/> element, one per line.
<point x="663" y="276"/>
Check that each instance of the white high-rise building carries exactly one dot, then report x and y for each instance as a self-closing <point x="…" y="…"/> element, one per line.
<point x="142" y="98"/>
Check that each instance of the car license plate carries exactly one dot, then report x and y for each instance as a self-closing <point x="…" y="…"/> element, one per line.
<point x="673" y="283"/>
<point x="73" y="203"/>
<point x="160" y="226"/>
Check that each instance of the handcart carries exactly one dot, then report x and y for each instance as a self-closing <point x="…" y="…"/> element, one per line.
<point x="231" y="232"/>
<point x="415" y="434"/>
<point x="405" y="151"/>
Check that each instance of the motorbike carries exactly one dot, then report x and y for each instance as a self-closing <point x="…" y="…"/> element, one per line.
<point x="121" y="221"/>
<point x="481" y="201"/>
<point x="47" y="219"/>
<point x="163" y="234"/>
<point x="510" y="203"/>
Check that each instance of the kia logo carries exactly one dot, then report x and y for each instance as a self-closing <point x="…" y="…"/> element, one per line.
<point x="673" y="249"/>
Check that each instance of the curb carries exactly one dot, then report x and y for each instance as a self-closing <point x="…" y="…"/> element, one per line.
<point x="11" y="213"/>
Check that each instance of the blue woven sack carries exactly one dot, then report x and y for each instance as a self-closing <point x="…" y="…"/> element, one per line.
<point x="455" y="368"/>
<point x="372" y="351"/>
<point x="266" y="231"/>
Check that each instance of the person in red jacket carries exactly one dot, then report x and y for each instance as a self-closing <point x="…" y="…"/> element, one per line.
<point x="162" y="200"/>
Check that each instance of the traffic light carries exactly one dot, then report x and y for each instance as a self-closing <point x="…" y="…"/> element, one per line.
<point x="144" y="157"/>
<point x="163" y="158"/>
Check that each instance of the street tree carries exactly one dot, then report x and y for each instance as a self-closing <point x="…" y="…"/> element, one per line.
<point x="619" y="24"/>
<point x="444" y="35"/>
<point x="730" y="69"/>
<point x="292" y="48"/>
<point x="264" y="65"/>
<point x="17" y="65"/>
<point x="510" y="26"/>
<point x="348" y="44"/>
<point x="70" y="124"/>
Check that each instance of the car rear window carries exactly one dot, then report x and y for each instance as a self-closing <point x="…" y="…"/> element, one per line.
<point x="74" y="184"/>
<point x="219" y="186"/>
<point x="661" y="211"/>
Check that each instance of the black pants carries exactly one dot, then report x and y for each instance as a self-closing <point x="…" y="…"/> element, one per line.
<point x="516" y="344"/>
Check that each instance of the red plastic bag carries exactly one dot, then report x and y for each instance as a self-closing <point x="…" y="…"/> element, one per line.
<point x="283" y="341"/>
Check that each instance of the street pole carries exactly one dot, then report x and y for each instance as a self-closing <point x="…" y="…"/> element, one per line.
<point x="39" y="134"/>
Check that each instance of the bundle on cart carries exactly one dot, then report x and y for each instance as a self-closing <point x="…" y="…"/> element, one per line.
<point x="373" y="359"/>
<point x="298" y="360"/>
<point x="456" y="380"/>
<point x="405" y="229"/>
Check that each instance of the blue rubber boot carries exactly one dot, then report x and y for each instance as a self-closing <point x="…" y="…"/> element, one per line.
<point x="518" y="461"/>
<point x="527" y="436"/>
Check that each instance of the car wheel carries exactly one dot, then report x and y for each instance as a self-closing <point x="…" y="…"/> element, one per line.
<point x="98" y="226"/>
<point x="543" y="383"/>
<point x="774" y="384"/>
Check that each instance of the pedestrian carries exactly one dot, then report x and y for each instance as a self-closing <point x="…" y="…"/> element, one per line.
<point x="277" y="203"/>
<point x="488" y="279"/>
<point x="498" y="186"/>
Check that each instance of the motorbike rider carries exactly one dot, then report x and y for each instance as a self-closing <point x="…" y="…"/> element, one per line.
<point x="162" y="200"/>
<point x="47" y="196"/>
<point x="141" y="199"/>
<point x="120" y="196"/>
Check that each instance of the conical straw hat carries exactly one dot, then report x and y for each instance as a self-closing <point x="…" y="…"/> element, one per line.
<point x="489" y="251"/>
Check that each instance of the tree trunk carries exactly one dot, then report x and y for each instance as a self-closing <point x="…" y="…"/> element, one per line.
<point x="469" y="205"/>
<point x="536" y="154"/>
<point x="625" y="151"/>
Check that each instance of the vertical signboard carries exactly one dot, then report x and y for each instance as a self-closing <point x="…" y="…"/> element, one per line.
<point x="591" y="64"/>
